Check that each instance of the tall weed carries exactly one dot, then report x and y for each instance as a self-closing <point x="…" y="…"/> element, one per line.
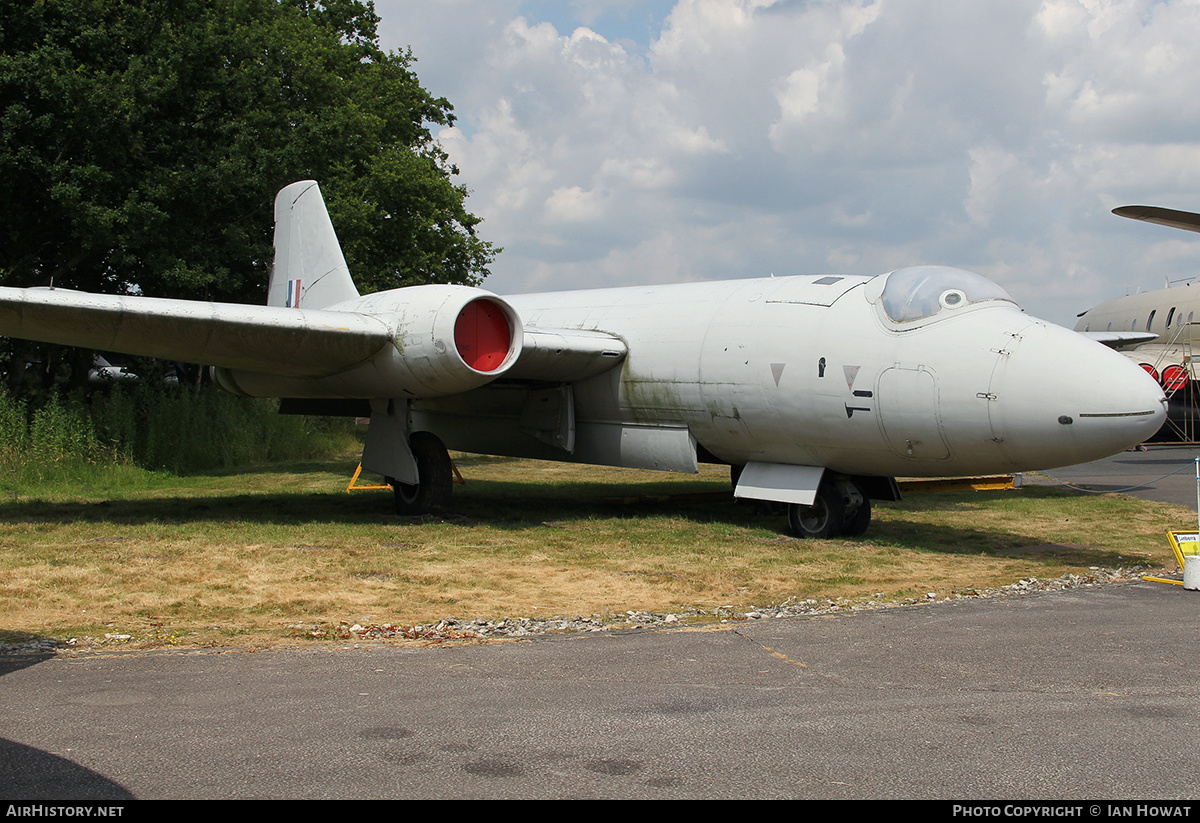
<point x="53" y="441"/>
<point x="55" y="438"/>
<point x="181" y="430"/>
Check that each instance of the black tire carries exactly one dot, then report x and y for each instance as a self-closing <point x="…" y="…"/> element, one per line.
<point x="435" y="478"/>
<point x="823" y="519"/>
<point x="735" y="473"/>
<point x="857" y="521"/>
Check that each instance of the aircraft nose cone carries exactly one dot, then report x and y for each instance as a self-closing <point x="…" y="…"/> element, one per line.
<point x="1061" y="399"/>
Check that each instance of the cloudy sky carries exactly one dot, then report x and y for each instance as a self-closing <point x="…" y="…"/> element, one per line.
<point x="612" y="142"/>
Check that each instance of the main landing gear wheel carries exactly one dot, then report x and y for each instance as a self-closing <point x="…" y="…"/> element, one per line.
<point x="858" y="518"/>
<point x="840" y="509"/>
<point x="435" y="478"/>
<point x="821" y="520"/>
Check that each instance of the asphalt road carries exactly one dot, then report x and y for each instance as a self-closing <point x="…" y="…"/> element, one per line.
<point x="1165" y="473"/>
<point x="1090" y="693"/>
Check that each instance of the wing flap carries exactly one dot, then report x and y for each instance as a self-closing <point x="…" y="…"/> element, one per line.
<point x="288" y="342"/>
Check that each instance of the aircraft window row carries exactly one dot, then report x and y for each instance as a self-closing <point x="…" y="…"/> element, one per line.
<point x="923" y="291"/>
<point x="1171" y="315"/>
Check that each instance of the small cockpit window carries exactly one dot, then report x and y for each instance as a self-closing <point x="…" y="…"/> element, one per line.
<point x="952" y="299"/>
<point x="923" y="291"/>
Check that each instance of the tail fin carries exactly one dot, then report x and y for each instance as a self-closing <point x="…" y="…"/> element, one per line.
<point x="310" y="271"/>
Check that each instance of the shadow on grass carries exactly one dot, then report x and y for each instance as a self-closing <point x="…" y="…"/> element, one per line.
<point x="339" y="467"/>
<point x="526" y="505"/>
<point x="346" y="466"/>
<point x="481" y="502"/>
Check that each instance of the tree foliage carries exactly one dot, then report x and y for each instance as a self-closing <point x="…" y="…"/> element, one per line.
<point x="142" y="143"/>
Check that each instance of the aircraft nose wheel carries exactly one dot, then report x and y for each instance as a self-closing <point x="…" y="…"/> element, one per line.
<point x="435" y="478"/>
<point x="840" y="509"/>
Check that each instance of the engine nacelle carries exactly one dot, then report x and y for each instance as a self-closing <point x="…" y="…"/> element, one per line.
<point x="450" y="338"/>
<point x="445" y="340"/>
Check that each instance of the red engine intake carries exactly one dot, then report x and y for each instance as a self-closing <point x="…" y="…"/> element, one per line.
<point x="482" y="335"/>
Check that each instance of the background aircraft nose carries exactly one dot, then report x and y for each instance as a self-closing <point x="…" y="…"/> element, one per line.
<point x="1061" y="399"/>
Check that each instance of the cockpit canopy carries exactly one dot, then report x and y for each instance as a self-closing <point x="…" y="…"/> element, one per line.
<point x="924" y="291"/>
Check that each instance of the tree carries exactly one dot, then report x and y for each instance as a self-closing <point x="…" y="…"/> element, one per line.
<point x="142" y="143"/>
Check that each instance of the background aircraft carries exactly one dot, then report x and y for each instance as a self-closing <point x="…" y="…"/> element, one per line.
<point x="1155" y="328"/>
<point x="817" y="390"/>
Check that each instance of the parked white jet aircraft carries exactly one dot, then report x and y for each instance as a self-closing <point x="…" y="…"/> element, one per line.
<point x="817" y="390"/>
<point x="1156" y="328"/>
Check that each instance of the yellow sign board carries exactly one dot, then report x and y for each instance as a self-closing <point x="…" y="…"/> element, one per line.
<point x="1184" y="543"/>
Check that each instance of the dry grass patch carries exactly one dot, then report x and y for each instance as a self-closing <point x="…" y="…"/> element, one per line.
<point x="225" y="559"/>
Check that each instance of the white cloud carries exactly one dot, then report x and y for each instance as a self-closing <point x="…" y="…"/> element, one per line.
<point x="573" y="204"/>
<point x="1127" y="74"/>
<point x="740" y="137"/>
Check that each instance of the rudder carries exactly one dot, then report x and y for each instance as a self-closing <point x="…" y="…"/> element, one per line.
<point x="310" y="271"/>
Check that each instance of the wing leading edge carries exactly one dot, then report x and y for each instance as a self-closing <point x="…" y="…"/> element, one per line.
<point x="1186" y="220"/>
<point x="1120" y="339"/>
<point x="289" y="342"/>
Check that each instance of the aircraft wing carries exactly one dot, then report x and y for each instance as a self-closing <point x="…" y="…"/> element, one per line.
<point x="288" y="342"/>
<point x="1186" y="220"/>
<point x="283" y="342"/>
<point x="1120" y="339"/>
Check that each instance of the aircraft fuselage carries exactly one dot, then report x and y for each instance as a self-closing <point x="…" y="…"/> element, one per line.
<point x="813" y="371"/>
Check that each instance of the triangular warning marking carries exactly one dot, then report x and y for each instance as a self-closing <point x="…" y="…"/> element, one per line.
<point x="851" y="373"/>
<point x="777" y="371"/>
